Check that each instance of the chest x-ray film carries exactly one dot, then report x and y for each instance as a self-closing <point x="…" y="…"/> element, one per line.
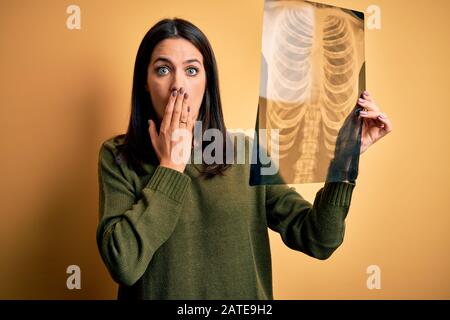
<point x="312" y="74"/>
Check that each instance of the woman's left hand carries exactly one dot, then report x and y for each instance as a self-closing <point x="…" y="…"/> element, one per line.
<point x="375" y="124"/>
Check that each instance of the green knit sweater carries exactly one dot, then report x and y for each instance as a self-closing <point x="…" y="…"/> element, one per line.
<point x="173" y="235"/>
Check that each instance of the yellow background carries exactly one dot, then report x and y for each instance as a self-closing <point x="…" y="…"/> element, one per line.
<point x="63" y="92"/>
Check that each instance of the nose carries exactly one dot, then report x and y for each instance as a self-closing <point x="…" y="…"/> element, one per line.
<point x="178" y="82"/>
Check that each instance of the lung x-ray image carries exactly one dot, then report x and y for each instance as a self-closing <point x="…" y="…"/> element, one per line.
<point x="312" y="74"/>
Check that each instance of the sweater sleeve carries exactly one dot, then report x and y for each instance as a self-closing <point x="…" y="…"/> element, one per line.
<point x="131" y="229"/>
<point x="314" y="229"/>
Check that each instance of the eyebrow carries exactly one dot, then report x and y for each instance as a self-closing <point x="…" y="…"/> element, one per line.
<point x="168" y="60"/>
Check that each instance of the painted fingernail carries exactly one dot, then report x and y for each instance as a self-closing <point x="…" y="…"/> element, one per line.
<point x="182" y="90"/>
<point x="363" y="113"/>
<point x="365" y="93"/>
<point x="382" y="116"/>
<point x="174" y="93"/>
<point x="186" y="95"/>
<point x="361" y="100"/>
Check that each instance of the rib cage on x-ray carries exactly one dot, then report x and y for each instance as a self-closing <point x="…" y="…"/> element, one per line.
<point x="313" y="56"/>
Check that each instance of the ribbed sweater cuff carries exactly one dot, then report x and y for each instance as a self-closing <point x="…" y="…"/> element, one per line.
<point x="172" y="183"/>
<point x="338" y="193"/>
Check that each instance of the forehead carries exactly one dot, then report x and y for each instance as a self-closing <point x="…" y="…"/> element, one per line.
<point x="177" y="49"/>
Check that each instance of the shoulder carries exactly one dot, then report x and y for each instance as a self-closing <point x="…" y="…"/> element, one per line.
<point x="110" y="148"/>
<point x="114" y="143"/>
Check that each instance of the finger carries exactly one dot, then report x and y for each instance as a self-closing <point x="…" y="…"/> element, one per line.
<point x="165" y="124"/>
<point x="377" y="116"/>
<point x="190" y="118"/>
<point x="184" y="112"/>
<point x="386" y="121"/>
<point x="153" y="133"/>
<point x="369" y="105"/>
<point x="177" y="110"/>
<point x="366" y="95"/>
<point x="369" y="114"/>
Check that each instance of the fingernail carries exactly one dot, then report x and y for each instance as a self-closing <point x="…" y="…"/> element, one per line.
<point x="182" y="90"/>
<point x="382" y="116"/>
<point x="364" y="113"/>
<point x="174" y="93"/>
<point x="365" y="93"/>
<point x="186" y="95"/>
<point x="361" y="100"/>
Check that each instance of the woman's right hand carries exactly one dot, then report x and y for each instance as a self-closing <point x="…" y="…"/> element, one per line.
<point x="174" y="142"/>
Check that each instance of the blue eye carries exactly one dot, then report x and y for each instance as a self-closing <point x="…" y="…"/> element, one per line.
<point x="160" y="69"/>
<point x="196" y="71"/>
<point x="165" y="67"/>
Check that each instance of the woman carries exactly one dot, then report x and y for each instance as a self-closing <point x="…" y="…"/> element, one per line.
<point x="174" y="230"/>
